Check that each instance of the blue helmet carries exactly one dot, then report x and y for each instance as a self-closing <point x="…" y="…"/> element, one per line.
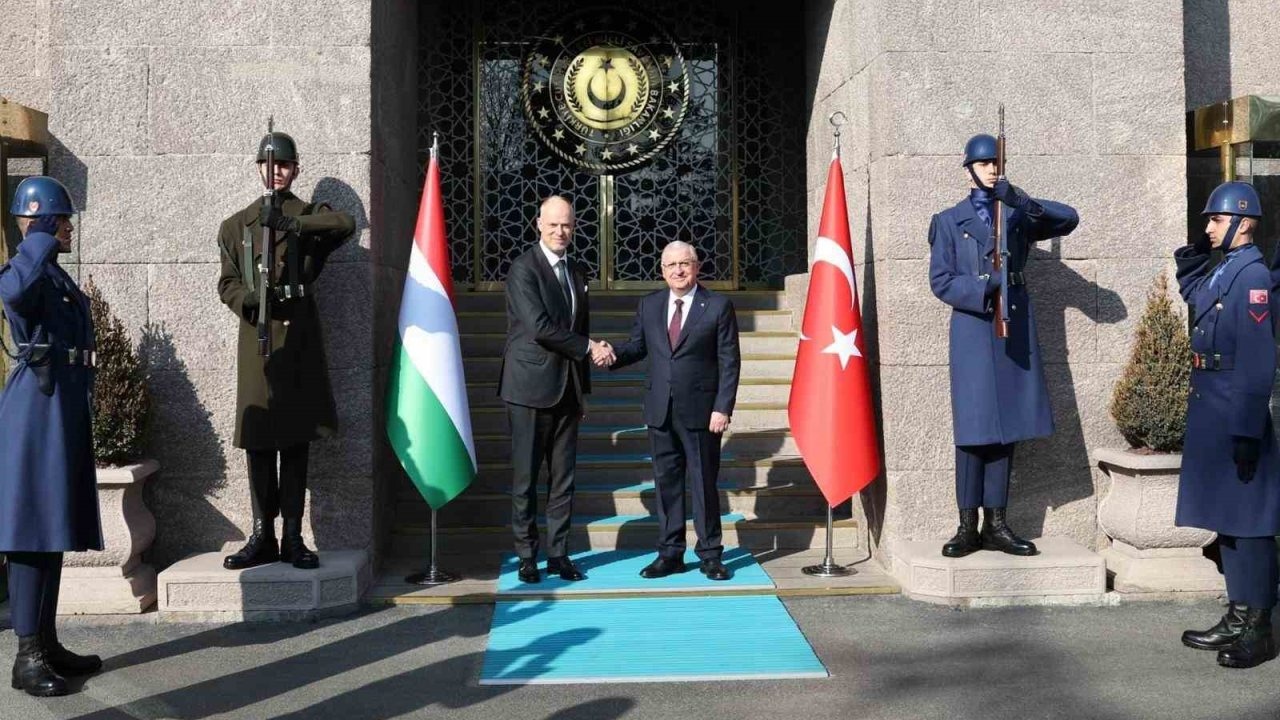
<point x="1234" y="198"/>
<point x="41" y="195"/>
<point x="979" y="147"/>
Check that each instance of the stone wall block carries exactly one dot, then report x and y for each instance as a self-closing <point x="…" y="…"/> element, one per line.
<point x="850" y="98"/>
<point x="100" y="103"/>
<point x="1138" y="101"/>
<point x="917" y="435"/>
<point x="907" y="312"/>
<point x="1123" y="289"/>
<point x="1065" y="298"/>
<point x="24" y="52"/>
<point x="216" y="100"/>
<point x="920" y="505"/>
<point x="1081" y="27"/>
<point x="193" y="423"/>
<point x="345" y="301"/>
<point x="933" y="24"/>
<point x="928" y="103"/>
<point x="905" y="194"/>
<point x="846" y="28"/>
<point x="160" y="22"/>
<point x="321" y="22"/>
<point x="199" y="332"/>
<point x="124" y="287"/>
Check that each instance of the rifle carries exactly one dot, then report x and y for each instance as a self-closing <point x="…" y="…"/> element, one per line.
<point x="268" y="256"/>
<point x="1000" y="241"/>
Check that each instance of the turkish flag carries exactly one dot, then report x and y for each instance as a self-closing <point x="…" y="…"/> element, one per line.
<point x="830" y="406"/>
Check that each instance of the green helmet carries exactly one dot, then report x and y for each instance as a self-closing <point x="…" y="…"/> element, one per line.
<point x="286" y="149"/>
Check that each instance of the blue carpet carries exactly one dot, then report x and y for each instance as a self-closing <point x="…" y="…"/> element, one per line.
<point x="619" y="571"/>
<point x="660" y="639"/>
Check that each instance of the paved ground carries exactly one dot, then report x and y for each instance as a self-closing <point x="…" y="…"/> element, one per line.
<point x="889" y="658"/>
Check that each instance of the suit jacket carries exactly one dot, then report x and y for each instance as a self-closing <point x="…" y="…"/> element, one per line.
<point x="700" y="374"/>
<point x="548" y="345"/>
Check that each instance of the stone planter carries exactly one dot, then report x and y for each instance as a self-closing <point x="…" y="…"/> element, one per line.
<point x="1148" y="553"/>
<point x="115" y="580"/>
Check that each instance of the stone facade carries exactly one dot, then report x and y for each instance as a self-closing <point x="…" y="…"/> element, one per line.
<point x="156" y="108"/>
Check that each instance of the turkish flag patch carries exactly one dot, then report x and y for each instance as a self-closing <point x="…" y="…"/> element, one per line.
<point x="1258" y="297"/>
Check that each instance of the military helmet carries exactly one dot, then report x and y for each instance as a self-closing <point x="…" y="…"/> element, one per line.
<point x="286" y="149"/>
<point x="41" y="195"/>
<point x="979" y="147"/>
<point x="1234" y="198"/>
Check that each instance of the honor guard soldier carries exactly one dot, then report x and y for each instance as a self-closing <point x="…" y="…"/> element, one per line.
<point x="283" y="396"/>
<point x="1230" y="480"/>
<point x="48" y="487"/>
<point x="998" y="393"/>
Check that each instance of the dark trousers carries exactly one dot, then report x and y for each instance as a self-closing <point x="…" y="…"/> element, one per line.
<point x="281" y="494"/>
<point x="543" y="435"/>
<point x="982" y="475"/>
<point x="1249" y="563"/>
<point x="34" y="578"/>
<point x="684" y="456"/>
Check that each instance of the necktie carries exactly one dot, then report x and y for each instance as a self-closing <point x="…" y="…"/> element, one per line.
<point x="673" y="330"/>
<point x="1218" y="270"/>
<point x="562" y="273"/>
<point x="982" y="206"/>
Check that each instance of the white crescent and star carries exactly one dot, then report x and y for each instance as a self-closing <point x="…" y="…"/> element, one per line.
<point x="843" y="344"/>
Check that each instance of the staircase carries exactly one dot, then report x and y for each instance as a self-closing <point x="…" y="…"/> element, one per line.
<point x="768" y="499"/>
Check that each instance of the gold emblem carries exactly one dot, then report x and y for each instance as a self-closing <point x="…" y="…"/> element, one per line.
<point x="1243" y="204"/>
<point x="33" y="207"/>
<point x="604" y="100"/>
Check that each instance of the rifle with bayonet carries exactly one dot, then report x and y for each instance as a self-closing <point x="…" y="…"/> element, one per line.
<point x="266" y="291"/>
<point x="1000" y="243"/>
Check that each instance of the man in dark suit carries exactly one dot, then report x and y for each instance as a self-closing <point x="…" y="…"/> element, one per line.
<point x="690" y="336"/>
<point x="544" y="376"/>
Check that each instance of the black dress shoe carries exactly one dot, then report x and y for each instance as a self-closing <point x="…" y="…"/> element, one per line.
<point x="32" y="672"/>
<point x="1220" y="636"/>
<point x="662" y="567"/>
<point x="565" y="568"/>
<point x="966" y="540"/>
<point x="528" y="571"/>
<point x="293" y="550"/>
<point x="714" y="569"/>
<point x="996" y="535"/>
<point x="261" y="547"/>
<point x="1256" y="643"/>
<point x="66" y="663"/>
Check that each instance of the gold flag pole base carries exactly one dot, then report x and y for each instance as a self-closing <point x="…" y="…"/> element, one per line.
<point x="433" y="575"/>
<point x="828" y="568"/>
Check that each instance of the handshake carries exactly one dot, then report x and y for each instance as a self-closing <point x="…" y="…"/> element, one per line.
<point x="602" y="354"/>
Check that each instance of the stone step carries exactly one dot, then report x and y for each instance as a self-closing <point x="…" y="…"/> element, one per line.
<point x="622" y="300"/>
<point x="627" y="385"/>
<point x="597" y="470"/>
<point x="619" y="322"/>
<point x="412" y="540"/>
<point x="479" y="345"/>
<point x="1063" y="571"/>
<point x="481" y="507"/>
<point x="754" y="365"/>
<point x="634" y="440"/>
<point x="746" y="416"/>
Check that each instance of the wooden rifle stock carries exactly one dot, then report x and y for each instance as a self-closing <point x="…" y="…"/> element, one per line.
<point x="1000" y="249"/>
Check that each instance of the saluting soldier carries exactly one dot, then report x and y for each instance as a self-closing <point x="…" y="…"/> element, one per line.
<point x="48" y="487"/>
<point x="1230" y="479"/>
<point x="283" y="399"/>
<point x="998" y="392"/>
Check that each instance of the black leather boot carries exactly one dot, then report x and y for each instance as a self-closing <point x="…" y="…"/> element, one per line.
<point x="1219" y="636"/>
<point x="261" y="547"/>
<point x="65" y="662"/>
<point x="293" y="550"/>
<point x="966" y="540"/>
<point x="32" y="673"/>
<point x="1255" y="645"/>
<point x="996" y="535"/>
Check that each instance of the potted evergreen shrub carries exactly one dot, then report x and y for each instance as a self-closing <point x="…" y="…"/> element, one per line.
<point x="1149" y="404"/>
<point x="116" y="580"/>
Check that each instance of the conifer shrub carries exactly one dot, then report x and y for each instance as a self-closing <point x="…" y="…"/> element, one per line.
<point x="1149" y="402"/>
<point x="121" y="404"/>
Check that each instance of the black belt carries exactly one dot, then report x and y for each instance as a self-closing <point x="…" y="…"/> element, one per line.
<point x="73" y="356"/>
<point x="1212" y="361"/>
<point x="1017" y="278"/>
<point x="288" y="292"/>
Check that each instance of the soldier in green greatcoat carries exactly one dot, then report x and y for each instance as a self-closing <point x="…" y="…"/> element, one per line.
<point x="283" y="399"/>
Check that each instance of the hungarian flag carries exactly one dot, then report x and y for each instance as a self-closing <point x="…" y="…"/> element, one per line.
<point x="830" y="407"/>
<point x="428" y="419"/>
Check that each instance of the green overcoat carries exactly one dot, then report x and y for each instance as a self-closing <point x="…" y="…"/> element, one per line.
<point x="284" y="399"/>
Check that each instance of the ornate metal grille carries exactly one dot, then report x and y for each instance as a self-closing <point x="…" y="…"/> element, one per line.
<point x="732" y="183"/>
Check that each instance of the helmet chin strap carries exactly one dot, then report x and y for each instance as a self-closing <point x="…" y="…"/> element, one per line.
<point x="1231" y="233"/>
<point x="976" y="181"/>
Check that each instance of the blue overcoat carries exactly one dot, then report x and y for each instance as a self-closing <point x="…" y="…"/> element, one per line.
<point x="998" y="393"/>
<point x="1234" y="319"/>
<point x="48" y="486"/>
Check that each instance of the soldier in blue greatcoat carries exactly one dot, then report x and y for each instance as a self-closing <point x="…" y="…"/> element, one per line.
<point x="998" y="393"/>
<point x="48" y="487"/>
<point x="1230" y="479"/>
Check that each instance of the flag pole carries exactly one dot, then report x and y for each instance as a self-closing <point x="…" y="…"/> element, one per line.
<point x="433" y="574"/>
<point x="829" y="568"/>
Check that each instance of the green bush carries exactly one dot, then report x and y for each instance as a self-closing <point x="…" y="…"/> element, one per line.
<point x="1149" y="403"/>
<point x="121" y="405"/>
